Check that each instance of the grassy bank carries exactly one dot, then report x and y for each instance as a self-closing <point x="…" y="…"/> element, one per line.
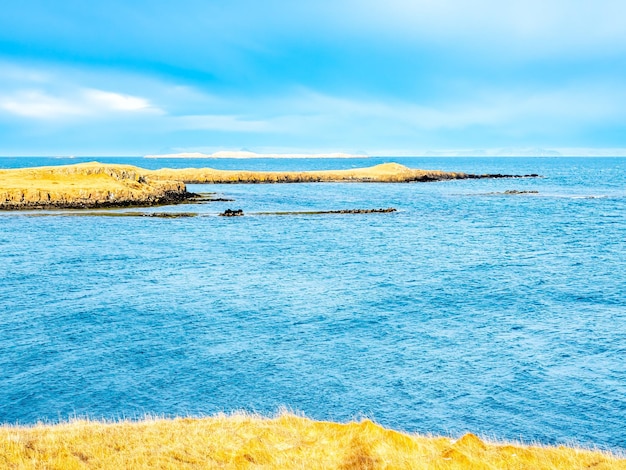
<point x="287" y="441"/>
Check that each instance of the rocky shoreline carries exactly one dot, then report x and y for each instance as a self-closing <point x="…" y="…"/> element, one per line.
<point x="96" y="185"/>
<point x="168" y="198"/>
<point x="86" y="186"/>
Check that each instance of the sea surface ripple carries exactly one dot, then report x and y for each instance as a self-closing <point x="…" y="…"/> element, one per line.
<point x="466" y="310"/>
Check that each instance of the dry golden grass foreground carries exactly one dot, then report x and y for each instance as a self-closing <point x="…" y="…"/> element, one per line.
<point x="109" y="185"/>
<point x="287" y="441"/>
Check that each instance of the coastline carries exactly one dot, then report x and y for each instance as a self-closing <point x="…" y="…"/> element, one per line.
<point x="285" y="441"/>
<point x="98" y="185"/>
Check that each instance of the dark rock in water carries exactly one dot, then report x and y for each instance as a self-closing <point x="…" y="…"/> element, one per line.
<point x="168" y="215"/>
<point x="208" y="197"/>
<point x="515" y="191"/>
<point x="498" y="175"/>
<point x="360" y="211"/>
<point x="232" y="213"/>
<point x="341" y="211"/>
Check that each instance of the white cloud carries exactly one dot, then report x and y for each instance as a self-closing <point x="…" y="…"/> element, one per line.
<point x="301" y="116"/>
<point x="82" y="102"/>
<point x="115" y="101"/>
<point x="36" y="104"/>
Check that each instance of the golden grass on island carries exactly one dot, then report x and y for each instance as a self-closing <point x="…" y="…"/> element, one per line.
<point x="383" y="173"/>
<point x="83" y="185"/>
<point x="287" y="441"/>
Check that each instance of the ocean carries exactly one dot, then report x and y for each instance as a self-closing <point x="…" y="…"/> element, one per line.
<point x="467" y="310"/>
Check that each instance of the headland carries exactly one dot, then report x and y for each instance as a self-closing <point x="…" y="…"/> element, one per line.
<point x="93" y="185"/>
<point x="85" y="185"/>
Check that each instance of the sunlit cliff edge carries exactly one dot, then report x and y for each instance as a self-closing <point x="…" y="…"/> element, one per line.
<point x="85" y="185"/>
<point x="94" y="184"/>
<point x="287" y="441"/>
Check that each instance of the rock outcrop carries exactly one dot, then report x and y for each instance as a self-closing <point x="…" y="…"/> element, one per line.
<point x="86" y="185"/>
<point x="517" y="191"/>
<point x="232" y="213"/>
<point x="361" y="211"/>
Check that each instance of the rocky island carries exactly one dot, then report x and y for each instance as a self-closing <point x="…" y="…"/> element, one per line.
<point x="92" y="185"/>
<point x="85" y="185"/>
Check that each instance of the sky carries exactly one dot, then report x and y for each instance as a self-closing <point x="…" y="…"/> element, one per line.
<point x="386" y="77"/>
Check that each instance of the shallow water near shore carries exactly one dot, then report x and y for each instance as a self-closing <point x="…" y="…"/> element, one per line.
<point x="465" y="310"/>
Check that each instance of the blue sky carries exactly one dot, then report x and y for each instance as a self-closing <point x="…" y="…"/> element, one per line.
<point x="392" y="77"/>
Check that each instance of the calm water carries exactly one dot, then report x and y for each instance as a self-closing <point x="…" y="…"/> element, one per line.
<point x="463" y="311"/>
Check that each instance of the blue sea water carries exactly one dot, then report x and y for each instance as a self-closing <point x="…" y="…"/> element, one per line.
<point x="466" y="310"/>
